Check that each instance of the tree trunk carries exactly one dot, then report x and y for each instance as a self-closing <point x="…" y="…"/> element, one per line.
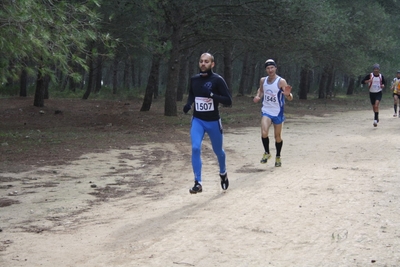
<point x="99" y="73"/>
<point x="358" y="83"/>
<point x="155" y="93"/>
<point x="72" y="85"/>
<point x="322" y="85"/>
<point x="90" y="77"/>
<point x="46" y="84"/>
<point x="345" y="83"/>
<point x="252" y="71"/>
<point x="304" y="83"/>
<point x="350" y="88"/>
<point x="261" y="72"/>
<point x="152" y="83"/>
<point x="228" y="65"/>
<point x="245" y="74"/>
<point x="126" y="75"/>
<point x="139" y="75"/>
<point x="10" y="81"/>
<point x="330" y="79"/>
<point x="182" y="84"/>
<point x="64" y="77"/>
<point x="173" y="74"/>
<point x="23" y="83"/>
<point x="193" y="68"/>
<point x="133" y="72"/>
<point x="115" y="76"/>
<point x="39" y="92"/>
<point x="64" y="82"/>
<point x="81" y="83"/>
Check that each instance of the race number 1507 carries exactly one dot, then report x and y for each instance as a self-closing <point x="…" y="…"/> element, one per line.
<point x="203" y="106"/>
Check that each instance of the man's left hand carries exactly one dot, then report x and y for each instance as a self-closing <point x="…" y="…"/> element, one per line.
<point x="287" y="90"/>
<point x="206" y="91"/>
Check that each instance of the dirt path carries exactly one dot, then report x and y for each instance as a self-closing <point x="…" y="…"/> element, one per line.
<point x="334" y="202"/>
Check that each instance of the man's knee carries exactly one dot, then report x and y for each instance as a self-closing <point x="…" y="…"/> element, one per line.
<point x="196" y="149"/>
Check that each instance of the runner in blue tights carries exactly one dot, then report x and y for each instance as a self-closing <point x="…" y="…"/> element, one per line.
<point x="207" y="90"/>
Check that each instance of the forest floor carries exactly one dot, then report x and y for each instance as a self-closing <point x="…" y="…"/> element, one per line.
<point x="99" y="183"/>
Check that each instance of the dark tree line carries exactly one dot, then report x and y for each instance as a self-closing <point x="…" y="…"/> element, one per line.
<point x="321" y="47"/>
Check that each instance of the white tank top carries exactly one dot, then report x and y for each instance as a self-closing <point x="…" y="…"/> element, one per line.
<point x="274" y="99"/>
<point x="375" y="85"/>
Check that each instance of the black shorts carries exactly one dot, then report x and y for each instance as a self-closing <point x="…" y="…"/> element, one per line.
<point x="375" y="97"/>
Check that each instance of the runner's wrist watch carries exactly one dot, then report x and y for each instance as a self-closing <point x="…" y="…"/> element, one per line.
<point x="211" y="94"/>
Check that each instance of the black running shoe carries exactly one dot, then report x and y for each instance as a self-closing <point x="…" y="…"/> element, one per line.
<point x="197" y="188"/>
<point x="224" y="181"/>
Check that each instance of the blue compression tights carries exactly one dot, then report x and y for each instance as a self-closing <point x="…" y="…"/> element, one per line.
<point x="214" y="131"/>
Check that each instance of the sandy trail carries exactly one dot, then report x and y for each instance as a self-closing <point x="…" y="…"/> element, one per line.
<point x="334" y="202"/>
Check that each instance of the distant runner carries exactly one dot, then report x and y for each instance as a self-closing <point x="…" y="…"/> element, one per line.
<point x="376" y="82"/>
<point x="396" y="93"/>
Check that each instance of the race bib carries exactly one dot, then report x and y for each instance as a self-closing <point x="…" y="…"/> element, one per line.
<point x="270" y="98"/>
<point x="377" y="86"/>
<point x="203" y="104"/>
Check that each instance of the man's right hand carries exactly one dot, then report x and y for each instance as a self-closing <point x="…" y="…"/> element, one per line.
<point x="186" y="108"/>
<point x="256" y="99"/>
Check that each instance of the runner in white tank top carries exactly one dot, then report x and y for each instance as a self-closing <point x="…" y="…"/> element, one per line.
<point x="376" y="82"/>
<point x="273" y="90"/>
